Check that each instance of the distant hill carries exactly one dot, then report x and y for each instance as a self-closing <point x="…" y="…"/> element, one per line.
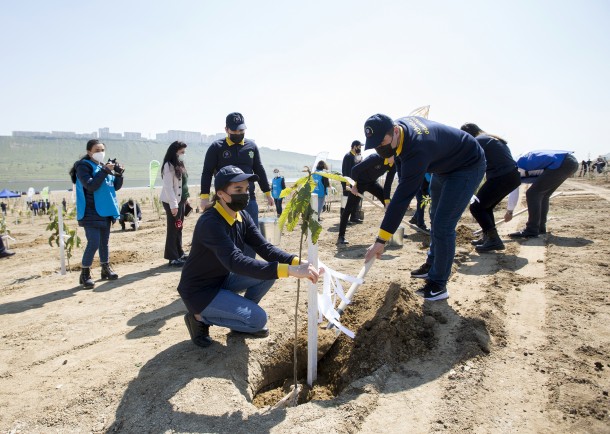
<point x="38" y="162"/>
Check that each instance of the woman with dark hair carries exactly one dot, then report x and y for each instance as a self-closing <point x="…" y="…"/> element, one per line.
<point x="96" y="206"/>
<point x="501" y="177"/>
<point x="321" y="186"/>
<point x="217" y="269"/>
<point x="174" y="196"/>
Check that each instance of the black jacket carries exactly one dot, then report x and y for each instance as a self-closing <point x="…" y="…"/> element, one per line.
<point x="246" y="157"/>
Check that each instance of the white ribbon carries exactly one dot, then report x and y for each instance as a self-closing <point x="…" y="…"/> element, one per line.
<point x="332" y="289"/>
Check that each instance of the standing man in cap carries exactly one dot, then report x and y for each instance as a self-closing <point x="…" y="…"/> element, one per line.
<point x="217" y="269"/>
<point x="457" y="163"/>
<point x="353" y="157"/>
<point x="238" y="151"/>
<point x="365" y="174"/>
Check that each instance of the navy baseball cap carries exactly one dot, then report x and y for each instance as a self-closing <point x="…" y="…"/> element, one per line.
<point x="235" y="121"/>
<point x="375" y="129"/>
<point x="230" y="174"/>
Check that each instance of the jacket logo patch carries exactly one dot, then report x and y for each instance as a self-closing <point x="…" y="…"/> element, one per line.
<point x="368" y="132"/>
<point x="251" y="154"/>
<point x="226" y="154"/>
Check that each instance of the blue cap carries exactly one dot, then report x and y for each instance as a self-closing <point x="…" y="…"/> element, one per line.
<point x="230" y="174"/>
<point x="375" y="129"/>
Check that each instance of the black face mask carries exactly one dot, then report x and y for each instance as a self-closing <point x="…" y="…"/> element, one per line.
<point x="239" y="201"/>
<point x="358" y="151"/>
<point x="385" y="151"/>
<point x="236" y="138"/>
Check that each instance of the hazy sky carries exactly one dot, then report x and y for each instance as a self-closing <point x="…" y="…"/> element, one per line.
<point x="307" y="74"/>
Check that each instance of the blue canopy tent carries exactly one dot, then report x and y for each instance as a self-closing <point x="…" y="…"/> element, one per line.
<point x="7" y="193"/>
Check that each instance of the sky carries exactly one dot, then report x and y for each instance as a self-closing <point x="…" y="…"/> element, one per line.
<point x="306" y="75"/>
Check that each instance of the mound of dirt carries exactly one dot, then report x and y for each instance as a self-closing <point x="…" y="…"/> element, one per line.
<point x="392" y="327"/>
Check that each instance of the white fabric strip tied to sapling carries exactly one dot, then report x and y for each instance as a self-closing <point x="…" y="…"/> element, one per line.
<point x="332" y="289"/>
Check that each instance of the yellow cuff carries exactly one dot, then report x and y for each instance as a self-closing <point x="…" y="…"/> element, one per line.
<point x="282" y="270"/>
<point x="267" y="193"/>
<point x="295" y="261"/>
<point x="384" y="235"/>
<point x="386" y="201"/>
<point x="204" y="196"/>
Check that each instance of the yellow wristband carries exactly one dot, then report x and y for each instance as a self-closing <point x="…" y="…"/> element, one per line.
<point x="204" y="196"/>
<point x="267" y="193"/>
<point x="384" y="235"/>
<point x="295" y="261"/>
<point x="282" y="270"/>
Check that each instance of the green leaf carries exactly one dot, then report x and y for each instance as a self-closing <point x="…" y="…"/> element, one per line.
<point x="315" y="227"/>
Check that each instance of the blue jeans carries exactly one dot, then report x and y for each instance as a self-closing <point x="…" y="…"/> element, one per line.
<point x="450" y="195"/>
<point x="251" y="209"/>
<point x="242" y="314"/>
<point x="97" y="239"/>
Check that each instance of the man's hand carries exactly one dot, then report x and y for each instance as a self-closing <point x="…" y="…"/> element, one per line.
<point x="305" y="271"/>
<point x="270" y="201"/>
<point x="354" y="190"/>
<point x="508" y="216"/>
<point x="174" y="211"/>
<point x="375" y="251"/>
<point x="204" y="203"/>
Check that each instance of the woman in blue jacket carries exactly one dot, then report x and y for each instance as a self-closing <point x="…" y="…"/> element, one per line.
<point x="322" y="185"/>
<point x="96" y="206"/>
<point x="546" y="170"/>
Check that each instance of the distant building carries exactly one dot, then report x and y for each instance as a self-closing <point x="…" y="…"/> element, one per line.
<point x="55" y="134"/>
<point x="132" y="136"/>
<point x="104" y="132"/>
<point x="182" y="136"/>
<point x="70" y="134"/>
<point x="212" y="137"/>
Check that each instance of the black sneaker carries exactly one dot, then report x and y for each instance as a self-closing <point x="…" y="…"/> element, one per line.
<point x="433" y="292"/>
<point x="424" y="228"/>
<point x="413" y="221"/>
<point x="176" y="263"/>
<point x="342" y="240"/>
<point x="199" y="332"/>
<point x="523" y="234"/>
<point x="421" y="272"/>
<point x="478" y="242"/>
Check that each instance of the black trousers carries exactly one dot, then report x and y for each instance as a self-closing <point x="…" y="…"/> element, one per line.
<point x="173" y="238"/>
<point x="353" y="202"/>
<point x="540" y="192"/>
<point x="490" y="194"/>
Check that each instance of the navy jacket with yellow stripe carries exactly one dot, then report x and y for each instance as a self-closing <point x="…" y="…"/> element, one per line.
<point x="426" y="146"/>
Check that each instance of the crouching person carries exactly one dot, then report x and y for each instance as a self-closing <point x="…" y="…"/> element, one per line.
<point x="217" y="270"/>
<point x="128" y="212"/>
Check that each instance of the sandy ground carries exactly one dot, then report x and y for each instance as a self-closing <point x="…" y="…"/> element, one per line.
<point x="522" y="344"/>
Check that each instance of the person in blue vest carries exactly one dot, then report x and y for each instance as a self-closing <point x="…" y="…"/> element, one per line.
<point x="501" y="177"/>
<point x="277" y="185"/>
<point x="545" y="170"/>
<point x="457" y="164"/>
<point x="322" y="185"/>
<point x="217" y="270"/>
<point x="96" y="206"/>
<point x="365" y="174"/>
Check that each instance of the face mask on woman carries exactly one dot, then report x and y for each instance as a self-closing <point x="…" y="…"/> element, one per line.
<point x="98" y="156"/>
<point x="180" y="157"/>
<point x="239" y="201"/>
